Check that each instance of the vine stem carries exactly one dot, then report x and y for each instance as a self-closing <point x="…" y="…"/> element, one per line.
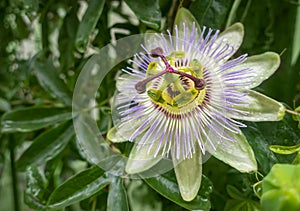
<point x="14" y="174"/>
<point x="292" y="112"/>
<point x="246" y="11"/>
<point x="172" y="14"/>
<point x="232" y="13"/>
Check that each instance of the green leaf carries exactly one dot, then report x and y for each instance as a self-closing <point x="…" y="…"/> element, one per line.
<point x="260" y="145"/>
<point x="148" y="12"/>
<point x="259" y="108"/>
<point x="46" y="146"/>
<point x="98" y="202"/>
<point x="142" y="197"/>
<point x="33" y="203"/>
<point x="21" y="31"/>
<point x="277" y="200"/>
<point x="66" y="39"/>
<point x="258" y="27"/>
<point x="281" y="188"/>
<point x="242" y="205"/>
<point x="35" y="188"/>
<point x="188" y="174"/>
<point x="117" y="197"/>
<point x="266" y="31"/>
<point x="88" y="24"/>
<point x="285" y="150"/>
<point x="78" y="187"/>
<point x="103" y="27"/>
<point x="49" y="79"/>
<point x="211" y="13"/>
<point x="240" y="201"/>
<point x="238" y="154"/>
<point x="4" y="105"/>
<point x="296" y="161"/>
<point x="263" y="134"/>
<point x="33" y="118"/>
<point x="167" y="186"/>
<point x="234" y="193"/>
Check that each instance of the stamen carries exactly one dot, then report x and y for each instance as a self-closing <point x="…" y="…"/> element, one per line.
<point x="158" y="52"/>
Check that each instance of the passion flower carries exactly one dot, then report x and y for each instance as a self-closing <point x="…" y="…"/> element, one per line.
<point x="182" y="98"/>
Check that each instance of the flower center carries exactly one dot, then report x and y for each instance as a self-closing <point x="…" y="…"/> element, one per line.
<point x="178" y="85"/>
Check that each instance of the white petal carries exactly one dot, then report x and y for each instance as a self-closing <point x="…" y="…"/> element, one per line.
<point x="122" y="132"/>
<point x="142" y="159"/>
<point x="258" y="67"/>
<point x="184" y="16"/>
<point x="238" y="154"/>
<point x="232" y="36"/>
<point x="259" y="108"/>
<point x="188" y="174"/>
<point x="114" y="136"/>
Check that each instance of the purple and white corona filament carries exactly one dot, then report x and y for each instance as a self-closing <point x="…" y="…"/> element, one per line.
<point x="183" y="93"/>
